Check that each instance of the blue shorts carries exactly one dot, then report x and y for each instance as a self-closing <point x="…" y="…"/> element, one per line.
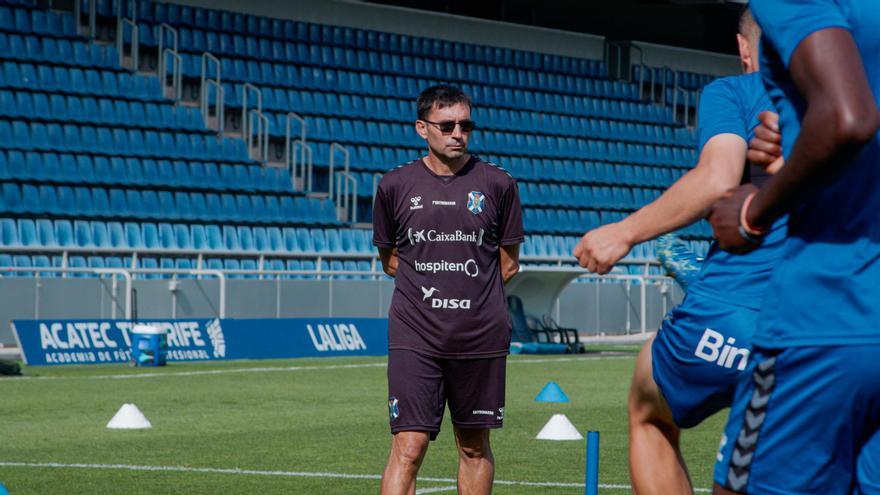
<point x="803" y="421"/>
<point x="699" y="353"/>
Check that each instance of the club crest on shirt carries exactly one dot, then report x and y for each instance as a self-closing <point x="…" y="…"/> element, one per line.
<point x="475" y="202"/>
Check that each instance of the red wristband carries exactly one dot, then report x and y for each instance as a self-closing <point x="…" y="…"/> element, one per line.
<point x="743" y="221"/>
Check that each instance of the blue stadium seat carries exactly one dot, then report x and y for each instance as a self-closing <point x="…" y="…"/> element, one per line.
<point x="260" y="239"/>
<point x="230" y="238"/>
<point x="198" y="237"/>
<point x="232" y="264"/>
<point x="167" y="239"/>
<point x="246" y="238"/>
<point x="151" y="236"/>
<point x="319" y="240"/>
<point x="100" y="235"/>
<point x="184" y="264"/>
<point x="304" y="241"/>
<point x="133" y="235"/>
<point x="182" y="237"/>
<point x="113" y="262"/>
<point x="214" y="237"/>
<point x="150" y="264"/>
<point x="334" y="243"/>
<point x="115" y="235"/>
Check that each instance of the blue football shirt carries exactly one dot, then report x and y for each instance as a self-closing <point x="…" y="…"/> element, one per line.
<point x="731" y="105"/>
<point x="826" y="290"/>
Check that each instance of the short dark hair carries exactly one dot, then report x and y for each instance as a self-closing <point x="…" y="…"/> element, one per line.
<point x="441" y="95"/>
<point x="747" y="24"/>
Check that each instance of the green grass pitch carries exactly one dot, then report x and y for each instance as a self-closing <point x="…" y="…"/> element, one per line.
<point x="299" y="427"/>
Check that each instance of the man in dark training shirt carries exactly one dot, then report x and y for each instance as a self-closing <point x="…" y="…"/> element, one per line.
<point x="448" y="228"/>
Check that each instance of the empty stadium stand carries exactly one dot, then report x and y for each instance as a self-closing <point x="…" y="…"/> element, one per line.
<point x="105" y="164"/>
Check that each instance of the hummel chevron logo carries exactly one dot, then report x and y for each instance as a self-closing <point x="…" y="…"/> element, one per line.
<point x="737" y="483"/>
<point x="746" y="440"/>
<point x="753" y="421"/>
<point x="759" y="400"/>
<point x="741" y="460"/>
<point x="766" y="365"/>
<point x="765" y="382"/>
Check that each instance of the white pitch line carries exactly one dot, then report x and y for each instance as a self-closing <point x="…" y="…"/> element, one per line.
<point x="291" y="474"/>
<point x="438" y="489"/>
<point x="268" y="369"/>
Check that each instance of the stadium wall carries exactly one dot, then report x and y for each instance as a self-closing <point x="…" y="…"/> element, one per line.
<point x="592" y="308"/>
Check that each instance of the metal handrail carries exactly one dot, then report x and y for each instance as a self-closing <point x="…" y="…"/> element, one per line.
<point x="135" y="42"/>
<point x="176" y="74"/>
<point x="77" y="14"/>
<point x="288" y="134"/>
<point x="222" y="278"/>
<point x="97" y="271"/>
<point x="132" y="10"/>
<point x="125" y="274"/>
<point x="643" y="292"/>
<point x="334" y="146"/>
<point x="247" y="88"/>
<point x="161" y="30"/>
<point x="674" y="80"/>
<point x="347" y="199"/>
<point x="65" y="251"/>
<point x="205" y="86"/>
<point x="303" y="171"/>
<point x="262" y="134"/>
<point x="636" y="47"/>
<point x="687" y="104"/>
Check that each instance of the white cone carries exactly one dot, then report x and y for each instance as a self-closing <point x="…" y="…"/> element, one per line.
<point x="129" y="417"/>
<point x="559" y="428"/>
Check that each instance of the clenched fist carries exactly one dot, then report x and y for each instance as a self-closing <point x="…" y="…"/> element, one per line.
<point x="599" y="249"/>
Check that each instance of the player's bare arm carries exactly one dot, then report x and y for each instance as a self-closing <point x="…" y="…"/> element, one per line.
<point x="388" y="256"/>
<point x="509" y="261"/>
<point x="841" y="116"/>
<point x="720" y="168"/>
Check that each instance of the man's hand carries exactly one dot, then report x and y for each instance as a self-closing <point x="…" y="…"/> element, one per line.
<point x="725" y="219"/>
<point x="765" y="148"/>
<point x="599" y="249"/>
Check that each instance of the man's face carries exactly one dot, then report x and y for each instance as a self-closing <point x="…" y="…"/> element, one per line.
<point x="451" y="144"/>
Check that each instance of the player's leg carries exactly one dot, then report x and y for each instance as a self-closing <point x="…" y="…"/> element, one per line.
<point x="801" y="420"/>
<point x="415" y="409"/>
<point x="475" y="391"/>
<point x="655" y="461"/>
<point x="476" y="464"/>
<point x="408" y="449"/>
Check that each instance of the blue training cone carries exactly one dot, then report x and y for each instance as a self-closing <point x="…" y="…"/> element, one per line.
<point x="551" y="392"/>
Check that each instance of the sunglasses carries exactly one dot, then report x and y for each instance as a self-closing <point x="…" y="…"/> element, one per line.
<point x="448" y="126"/>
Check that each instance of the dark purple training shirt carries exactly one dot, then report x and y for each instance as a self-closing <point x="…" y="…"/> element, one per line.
<point x="448" y="298"/>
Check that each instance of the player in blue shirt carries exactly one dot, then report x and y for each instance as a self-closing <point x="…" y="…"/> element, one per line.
<point x="811" y="401"/>
<point x="689" y="370"/>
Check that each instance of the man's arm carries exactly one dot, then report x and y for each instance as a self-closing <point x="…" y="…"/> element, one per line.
<point x="509" y="261"/>
<point x="388" y="256"/>
<point x="841" y="116"/>
<point x="720" y="168"/>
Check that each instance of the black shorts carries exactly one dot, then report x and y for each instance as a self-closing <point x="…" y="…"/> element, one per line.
<point x="419" y="387"/>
